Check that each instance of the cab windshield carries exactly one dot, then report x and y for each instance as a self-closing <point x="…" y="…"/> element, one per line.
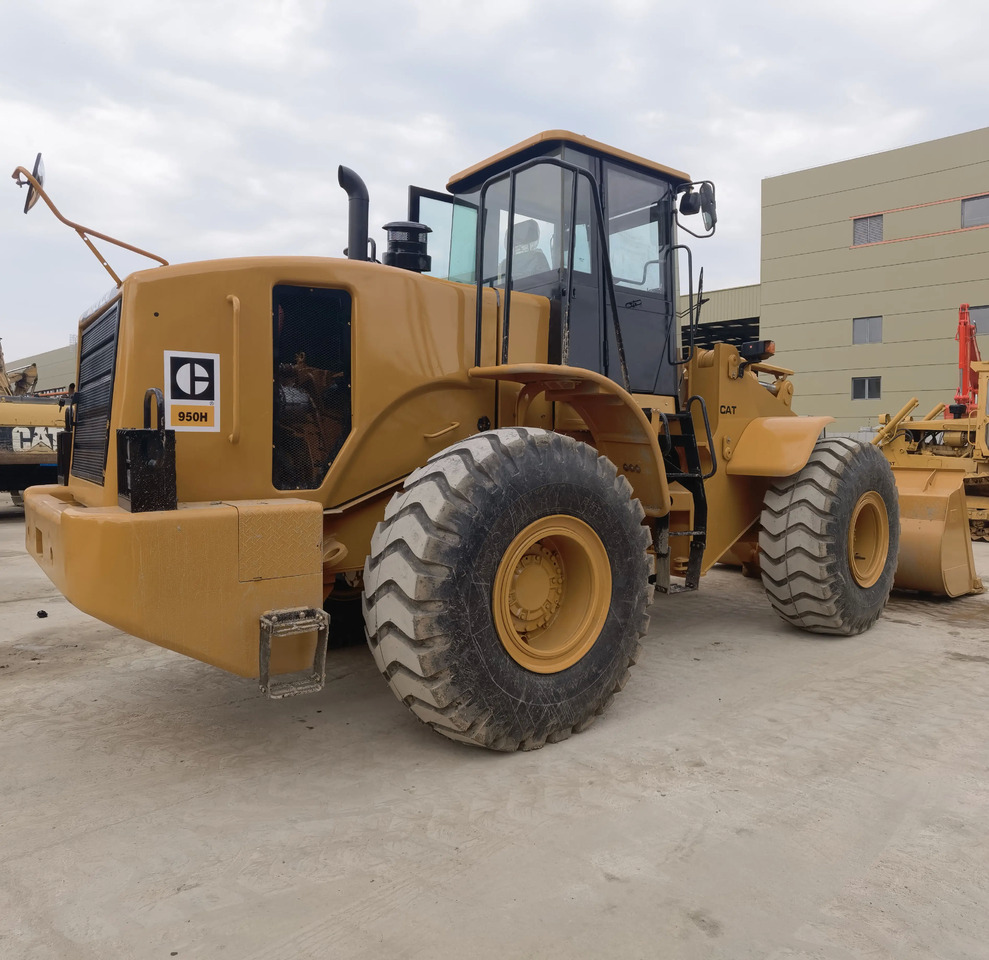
<point x="637" y="209"/>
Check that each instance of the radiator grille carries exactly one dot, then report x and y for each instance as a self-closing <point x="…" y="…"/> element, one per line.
<point x="97" y="363"/>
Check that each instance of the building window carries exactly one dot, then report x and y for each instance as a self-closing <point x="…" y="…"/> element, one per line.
<point x="980" y="317"/>
<point x="867" y="229"/>
<point x="867" y="330"/>
<point x="975" y="211"/>
<point x="866" y="388"/>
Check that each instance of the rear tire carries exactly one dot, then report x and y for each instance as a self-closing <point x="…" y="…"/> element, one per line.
<point x="829" y="539"/>
<point x="506" y="588"/>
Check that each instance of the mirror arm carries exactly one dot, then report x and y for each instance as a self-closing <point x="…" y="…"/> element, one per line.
<point x="699" y="236"/>
<point x="81" y="230"/>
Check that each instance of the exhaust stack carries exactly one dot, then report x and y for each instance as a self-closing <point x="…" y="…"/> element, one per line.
<point x="357" y="218"/>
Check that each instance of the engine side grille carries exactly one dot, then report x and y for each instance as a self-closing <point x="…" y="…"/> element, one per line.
<point x="312" y="404"/>
<point x="97" y="363"/>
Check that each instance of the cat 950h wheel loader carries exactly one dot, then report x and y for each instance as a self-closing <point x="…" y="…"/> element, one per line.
<point x="496" y="447"/>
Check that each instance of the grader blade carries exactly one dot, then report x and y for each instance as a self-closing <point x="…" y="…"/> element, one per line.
<point x="935" y="547"/>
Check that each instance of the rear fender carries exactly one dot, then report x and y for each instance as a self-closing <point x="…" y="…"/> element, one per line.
<point x="620" y="429"/>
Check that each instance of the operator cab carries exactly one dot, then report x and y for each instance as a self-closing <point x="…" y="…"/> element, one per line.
<point x="559" y="199"/>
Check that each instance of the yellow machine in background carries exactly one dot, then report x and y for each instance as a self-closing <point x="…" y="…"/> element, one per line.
<point x="29" y="428"/>
<point x="941" y="465"/>
<point x="933" y="460"/>
<point x="493" y="441"/>
<point x="952" y="438"/>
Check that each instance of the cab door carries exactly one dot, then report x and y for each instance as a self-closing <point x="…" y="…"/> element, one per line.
<point x="638" y="211"/>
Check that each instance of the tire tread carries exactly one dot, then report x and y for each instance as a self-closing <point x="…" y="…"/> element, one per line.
<point x="416" y="544"/>
<point x="799" y="567"/>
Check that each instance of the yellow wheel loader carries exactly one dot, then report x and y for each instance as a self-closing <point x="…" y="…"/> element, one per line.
<point x="498" y="441"/>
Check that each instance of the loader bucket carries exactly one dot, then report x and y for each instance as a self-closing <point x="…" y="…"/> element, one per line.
<point x="935" y="547"/>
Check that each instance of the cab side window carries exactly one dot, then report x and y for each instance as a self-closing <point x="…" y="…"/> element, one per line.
<point x="636" y="212"/>
<point x="452" y="240"/>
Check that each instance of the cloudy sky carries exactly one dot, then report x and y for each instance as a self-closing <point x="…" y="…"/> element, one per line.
<point x="213" y="128"/>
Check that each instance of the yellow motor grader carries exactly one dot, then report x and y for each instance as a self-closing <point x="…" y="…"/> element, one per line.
<point x="953" y="440"/>
<point x="934" y="460"/>
<point x="498" y="441"/>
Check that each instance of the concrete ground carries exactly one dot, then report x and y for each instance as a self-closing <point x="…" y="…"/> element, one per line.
<point x="753" y="793"/>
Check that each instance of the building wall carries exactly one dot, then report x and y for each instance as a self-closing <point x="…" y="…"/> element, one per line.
<point x="732" y="303"/>
<point x="56" y="368"/>
<point x="815" y="280"/>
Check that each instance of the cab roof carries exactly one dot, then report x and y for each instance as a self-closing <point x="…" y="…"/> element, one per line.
<point x="541" y="143"/>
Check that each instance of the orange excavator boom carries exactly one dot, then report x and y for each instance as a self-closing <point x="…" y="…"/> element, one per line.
<point x="967" y="397"/>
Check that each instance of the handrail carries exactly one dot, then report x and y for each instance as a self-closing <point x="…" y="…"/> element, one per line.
<point x="691" y="321"/>
<point x="440" y="433"/>
<point x="565" y="345"/>
<point x="707" y="429"/>
<point x="234" y="436"/>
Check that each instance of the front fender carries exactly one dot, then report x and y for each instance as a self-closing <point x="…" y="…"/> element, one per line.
<point x="775" y="446"/>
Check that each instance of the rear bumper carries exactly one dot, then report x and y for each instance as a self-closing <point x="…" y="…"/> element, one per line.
<point x="37" y="456"/>
<point x="195" y="580"/>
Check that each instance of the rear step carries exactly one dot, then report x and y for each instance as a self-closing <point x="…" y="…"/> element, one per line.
<point x="290" y="623"/>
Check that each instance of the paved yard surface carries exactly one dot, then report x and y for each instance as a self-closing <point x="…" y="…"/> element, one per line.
<point x="753" y="793"/>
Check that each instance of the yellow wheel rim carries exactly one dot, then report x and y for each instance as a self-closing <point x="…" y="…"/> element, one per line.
<point x="551" y="593"/>
<point x="868" y="539"/>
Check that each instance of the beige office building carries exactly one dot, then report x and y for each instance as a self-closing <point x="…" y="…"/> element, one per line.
<point x="864" y="266"/>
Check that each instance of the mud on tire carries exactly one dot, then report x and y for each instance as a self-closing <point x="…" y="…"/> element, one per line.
<point x="435" y="561"/>
<point x="829" y="539"/>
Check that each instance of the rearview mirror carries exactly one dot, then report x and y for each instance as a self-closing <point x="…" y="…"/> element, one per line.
<point x="39" y="174"/>
<point x="709" y="209"/>
<point x="698" y="201"/>
<point x="690" y="203"/>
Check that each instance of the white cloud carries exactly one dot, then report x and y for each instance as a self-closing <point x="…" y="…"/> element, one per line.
<point x="266" y="35"/>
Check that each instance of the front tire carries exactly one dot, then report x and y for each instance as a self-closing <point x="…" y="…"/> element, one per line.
<point x="506" y="588"/>
<point x="829" y="539"/>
